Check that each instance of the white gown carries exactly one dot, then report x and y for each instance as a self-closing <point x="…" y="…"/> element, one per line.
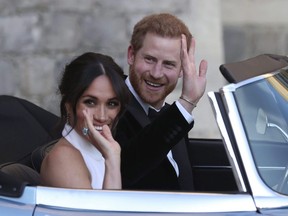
<point x="92" y="157"/>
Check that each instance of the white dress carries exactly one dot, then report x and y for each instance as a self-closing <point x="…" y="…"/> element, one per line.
<point x="92" y="157"/>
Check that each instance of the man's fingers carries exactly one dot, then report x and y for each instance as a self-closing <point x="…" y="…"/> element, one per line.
<point x="183" y="43"/>
<point x="203" y="68"/>
<point x="184" y="50"/>
<point x="184" y="54"/>
<point x="192" y="49"/>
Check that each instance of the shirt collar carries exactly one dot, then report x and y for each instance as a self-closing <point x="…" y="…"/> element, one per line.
<point x="144" y="105"/>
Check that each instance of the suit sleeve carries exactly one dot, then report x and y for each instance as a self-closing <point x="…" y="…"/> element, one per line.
<point x="143" y="149"/>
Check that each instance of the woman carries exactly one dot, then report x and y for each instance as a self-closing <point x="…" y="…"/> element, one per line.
<point x="93" y="97"/>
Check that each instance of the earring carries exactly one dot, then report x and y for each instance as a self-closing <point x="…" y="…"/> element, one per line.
<point x="68" y="118"/>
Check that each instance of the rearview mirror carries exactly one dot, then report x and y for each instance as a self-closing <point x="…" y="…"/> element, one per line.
<point x="261" y="122"/>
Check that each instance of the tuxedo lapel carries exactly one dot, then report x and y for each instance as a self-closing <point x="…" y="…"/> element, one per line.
<point x="137" y="111"/>
<point x="180" y="155"/>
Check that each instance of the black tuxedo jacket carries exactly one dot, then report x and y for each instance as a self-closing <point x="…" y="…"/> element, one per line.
<point x="144" y="149"/>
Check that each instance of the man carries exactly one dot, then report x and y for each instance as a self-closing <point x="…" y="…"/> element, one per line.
<point x="158" y="56"/>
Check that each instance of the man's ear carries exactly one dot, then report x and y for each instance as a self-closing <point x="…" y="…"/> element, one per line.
<point x="130" y="55"/>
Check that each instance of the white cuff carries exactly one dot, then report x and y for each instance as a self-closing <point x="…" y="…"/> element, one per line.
<point x="189" y="117"/>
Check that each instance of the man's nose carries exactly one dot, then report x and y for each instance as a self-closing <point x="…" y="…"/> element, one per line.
<point x="156" y="71"/>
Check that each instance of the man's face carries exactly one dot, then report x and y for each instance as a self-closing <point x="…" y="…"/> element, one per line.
<point x="155" y="68"/>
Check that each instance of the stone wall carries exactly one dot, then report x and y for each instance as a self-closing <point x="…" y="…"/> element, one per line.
<point x="254" y="27"/>
<point x="38" y="37"/>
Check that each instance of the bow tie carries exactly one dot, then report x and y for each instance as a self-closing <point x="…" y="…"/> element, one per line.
<point x="152" y="113"/>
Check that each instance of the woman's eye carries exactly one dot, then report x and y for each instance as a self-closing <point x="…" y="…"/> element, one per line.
<point x="113" y="103"/>
<point x="89" y="102"/>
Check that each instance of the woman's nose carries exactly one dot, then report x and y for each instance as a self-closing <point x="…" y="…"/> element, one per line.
<point x="100" y="114"/>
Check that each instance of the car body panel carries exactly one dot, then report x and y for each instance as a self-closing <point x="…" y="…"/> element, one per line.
<point x="59" y="200"/>
<point x="154" y="201"/>
<point x="23" y="205"/>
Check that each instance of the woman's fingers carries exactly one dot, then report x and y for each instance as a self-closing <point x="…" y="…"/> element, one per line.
<point x="107" y="133"/>
<point x="103" y="141"/>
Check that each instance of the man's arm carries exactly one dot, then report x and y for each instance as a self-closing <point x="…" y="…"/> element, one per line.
<point x="148" y="146"/>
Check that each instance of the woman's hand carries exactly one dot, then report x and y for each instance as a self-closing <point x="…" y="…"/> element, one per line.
<point x="110" y="150"/>
<point x="104" y="140"/>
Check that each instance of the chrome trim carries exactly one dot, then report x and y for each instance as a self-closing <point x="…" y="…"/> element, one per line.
<point x="212" y="167"/>
<point x="284" y="134"/>
<point x="272" y="168"/>
<point x="228" y="146"/>
<point x="137" y="201"/>
<point x="233" y="86"/>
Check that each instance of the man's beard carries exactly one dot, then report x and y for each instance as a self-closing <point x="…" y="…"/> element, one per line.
<point x="136" y="82"/>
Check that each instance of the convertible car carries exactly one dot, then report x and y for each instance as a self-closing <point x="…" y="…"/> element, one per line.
<point x="244" y="173"/>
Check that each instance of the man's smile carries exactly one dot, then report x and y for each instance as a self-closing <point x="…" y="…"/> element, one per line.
<point x="153" y="84"/>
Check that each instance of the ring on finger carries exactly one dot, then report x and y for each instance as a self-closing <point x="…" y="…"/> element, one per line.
<point x="85" y="131"/>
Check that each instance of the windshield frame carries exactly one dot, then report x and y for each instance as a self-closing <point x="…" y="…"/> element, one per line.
<point x="264" y="194"/>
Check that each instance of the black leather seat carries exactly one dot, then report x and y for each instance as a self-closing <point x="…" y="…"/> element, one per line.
<point x="21" y="172"/>
<point x="24" y="128"/>
<point x="39" y="153"/>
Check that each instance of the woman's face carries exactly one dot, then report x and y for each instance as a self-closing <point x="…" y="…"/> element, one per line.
<point x="101" y="102"/>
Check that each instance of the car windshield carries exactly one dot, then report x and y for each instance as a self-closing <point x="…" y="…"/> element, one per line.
<point x="263" y="107"/>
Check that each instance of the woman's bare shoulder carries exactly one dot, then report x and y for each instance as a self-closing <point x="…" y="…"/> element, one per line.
<point x="64" y="167"/>
<point x="62" y="152"/>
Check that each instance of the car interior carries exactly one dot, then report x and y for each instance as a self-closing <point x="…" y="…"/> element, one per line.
<point x="25" y="127"/>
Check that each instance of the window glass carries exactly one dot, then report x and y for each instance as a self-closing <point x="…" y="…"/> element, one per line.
<point x="263" y="107"/>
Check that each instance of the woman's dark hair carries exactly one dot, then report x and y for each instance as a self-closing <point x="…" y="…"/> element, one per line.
<point x="81" y="72"/>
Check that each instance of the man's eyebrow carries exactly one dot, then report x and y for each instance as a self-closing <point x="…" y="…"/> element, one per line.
<point x="173" y="62"/>
<point x="170" y="62"/>
<point x="148" y="55"/>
